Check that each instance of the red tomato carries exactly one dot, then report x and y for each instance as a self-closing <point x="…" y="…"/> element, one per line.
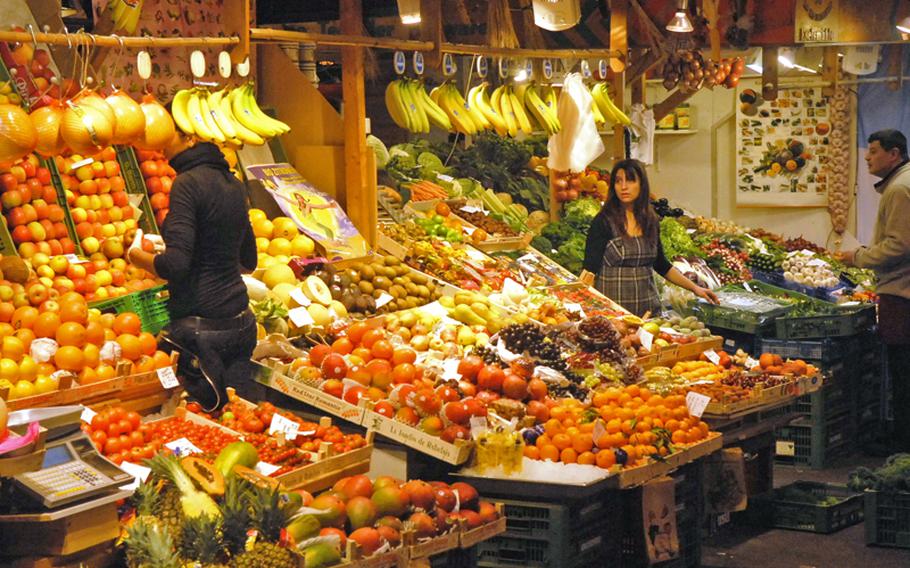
<point x="99" y="438"/>
<point x="137" y="438"/>
<point x="125" y="442"/>
<point x="111" y="446"/>
<point x="126" y="426"/>
<point x="134" y="419"/>
<point x="114" y="430"/>
<point x="100" y="422"/>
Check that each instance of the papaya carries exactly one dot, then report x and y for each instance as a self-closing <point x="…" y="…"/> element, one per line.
<point x="304" y="527"/>
<point x="204" y="474"/>
<point x="254" y="477"/>
<point x="321" y="554"/>
<point x="236" y="453"/>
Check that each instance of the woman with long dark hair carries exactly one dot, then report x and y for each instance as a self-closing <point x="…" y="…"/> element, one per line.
<point x="624" y="247"/>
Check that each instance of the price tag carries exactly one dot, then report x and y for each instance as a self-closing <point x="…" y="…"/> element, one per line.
<point x="81" y="163"/>
<point x="585" y="69"/>
<point x="817" y="262"/>
<point x="73" y="259"/>
<point x="300" y="317"/>
<point x="224" y="64"/>
<point x="504" y="65"/>
<point x="243" y="68"/>
<point x="167" y="377"/>
<point x="574" y="308"/>
<point x="483" y="67"/>
<point x="547" y="69"/>
<point x="87" y="415"/>
<point x="713" y="356"/>
<point x="599" y="430"/>
<point x="448" y="65"/>
<point x="284" y="425"/>
<point x="400" y="62"/>
<point x="197" y="64"/>
<point x="751" y="363"/>
<point x="418" y="62"/>
<point x="450" y="370"/>
<point x="183" y="447"/>
<point x="478" y="426"/>
<point x="140" y="474"/>
<point x="690" y="231"/>
<point x="602" y="67"/>
<point x="266" y="469"/>
<point x="144" y="64"/>
<point x="747" y="287"/>
<point x="384" y="299"/>
<point x="468" y="230"/>
<point x="647" y="338"/>
<point x="670" y="331"/>
<point x="445" y="177"/>
<point x="783" y="448"/>
<point x="298" y="296"/>
<point x="471" y="209"/>
<point x="696" y="403"/>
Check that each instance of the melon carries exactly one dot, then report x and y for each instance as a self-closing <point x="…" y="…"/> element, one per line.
<point x="316" y="290"/>
<point x="278" y="273"/>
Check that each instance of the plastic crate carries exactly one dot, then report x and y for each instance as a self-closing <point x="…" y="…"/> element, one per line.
<point x="736" y="320"/>
<point x="832" y="399"/>
<point x="815" y="443"/>
<point x="135" y="185"/>
<point x="787" y="513"/>
<point x="150" y="305"/>
<point x="458" y="558"/>
<point x="887" y="519"/>
<point x="837" y="325"/>
<point x="822" y="351"/>
<point x="735" y="340"/>
<point x="551" y="535"/>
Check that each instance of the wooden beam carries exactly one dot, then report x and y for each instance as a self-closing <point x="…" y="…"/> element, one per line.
<point x="236" y="21"/>
<point x="655" y="37"/>
<point x="673" y="100"/>
<point x="467" y="49"/>
<point x="619" y="99"/>
<point x="355" y="38"/>
<point x="829" y="70"/>
<point x="431" y="30"/>
<point x="642" y="63"/>
<point x="769" y="73"/>
<point x="638" y="91"/>
<point x="711" y="14"/>
<point x="118" y="41"/>
<point x="895" y="58"/>
<point x="619" y="35"/>
<point x="359" y="197"/>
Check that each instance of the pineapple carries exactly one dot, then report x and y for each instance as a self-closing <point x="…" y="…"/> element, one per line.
<point x="235" y="513"/>
<point x="147" y="501"/>
<point x="169" y="514"/>
<point x="268" y="519"/>
<point x="148" y="545"/>
<point x="201" y="545"/>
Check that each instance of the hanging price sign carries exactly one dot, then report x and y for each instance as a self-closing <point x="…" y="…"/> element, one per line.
<point x="504" y="67"/>
<point x="602" y="67"/>
<point x="547" y="69"/>
<point x="400" y="62"/>
<point x="483" y="67"/>
<point x="449" y="67"/>
<point x="585" y="69"/>
<point x="418" y="63"/>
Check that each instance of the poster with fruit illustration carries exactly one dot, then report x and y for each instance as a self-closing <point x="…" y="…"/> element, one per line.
<point x="317" y="215"/>
<point x="783" y="149"/>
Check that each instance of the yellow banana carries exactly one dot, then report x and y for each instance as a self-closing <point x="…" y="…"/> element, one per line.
<point x="505" y="107"/>
<point x="456" y="112"/>
<point x="245" y="116"/>
<point x="416" y="116"/>
<point x="419" y="108"/>
<point x="179" y="111"/>
<point x="521" y="116"/>
<point x="599" y="117"/>
<point x="395" y="105"/>
<point x="538" y="109"/>
<point x="209" y="119"/>
<point x="266" y="123"/>
<point x="223" y="122"/>
<point x="458" y="101"/>
<point x="435" y="114"/>
<point x="200" y="125"/>
<point x="476" y="115"/>
<point x="481" y="100"/>
<point x="244" y="134"/>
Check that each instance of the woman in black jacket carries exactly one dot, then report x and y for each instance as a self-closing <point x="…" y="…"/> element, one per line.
<point x="623" y="245"/>
<point x="208" y="244"/>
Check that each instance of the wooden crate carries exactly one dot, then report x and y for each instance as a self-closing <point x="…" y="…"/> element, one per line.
<point x="431" y="546"/>
<point x="636" y="476"/>
<point x="299" y="390"/>
<point x="469" y="537"/>
<point x="417" y="439"/>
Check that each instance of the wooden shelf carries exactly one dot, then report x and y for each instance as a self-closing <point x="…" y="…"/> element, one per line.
<point x="675" y="132"/>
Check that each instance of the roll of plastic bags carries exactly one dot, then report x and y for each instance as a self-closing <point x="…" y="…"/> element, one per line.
<point x="578" y="143"/>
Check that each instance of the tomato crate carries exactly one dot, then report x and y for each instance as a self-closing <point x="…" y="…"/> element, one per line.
<point x="792" y="507"/>
<point x="887" y="518"/>
<point x="850" y="322"/>
<point x="815" y="442"/>
<point x="833" y="398"/>
<point x="552" y="535"/>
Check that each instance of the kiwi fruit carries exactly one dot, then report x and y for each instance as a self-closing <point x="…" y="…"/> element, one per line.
<point x="367" y="273"/>
<point x="366" y="287"/>
<point x="382" y="282"/>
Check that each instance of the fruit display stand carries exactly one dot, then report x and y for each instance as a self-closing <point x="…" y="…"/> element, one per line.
<point x="455" y="453"/>
<point x="763" y="400"/>
<point x="492" y="243"/>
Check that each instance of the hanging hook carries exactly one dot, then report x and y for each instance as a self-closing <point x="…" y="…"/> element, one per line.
<point x="31" y="30"/>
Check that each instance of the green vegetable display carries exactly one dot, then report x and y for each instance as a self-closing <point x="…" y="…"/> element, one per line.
<point x="567" y="238"/>
<point x="676" y="240"/>
<point x="893" y="476"/>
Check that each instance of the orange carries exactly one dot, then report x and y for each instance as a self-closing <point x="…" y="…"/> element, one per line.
<point x="74" y="312"/>
<point x="542" y="440"/>
<point x="644" y="394"/>
<point x="583" y="443"/>
<point x="6" y="329"/>
<point x="148" y="343"/>
<point x="105" y="372"/>
<point x="24" y="316"/>
<point x="568" y="455"/>
<point x="343" y="346"/>
<point x="614" y="426"/>
<point x="404" y="356"/>
<point x="87" y="376"/>
<point x="606" y="459"/>
<point x="679" y="437"/>
<point x="13" y="348"/>
<point x="549" y="452"/>
<point x="631" y="452"/>
<point x="130" y="345"/>
<point x="162" y="359"/>
<point x="587" y="458"/>
<point x="144" y="364"/>
<point x="46" y="325"/>
<point x="6" y="311"/>
<point x="382" y="349"/>
<point x="356" y="331"/>
<point x="371" y="337"/>
<point x="633" y="390"/>
<point x="600" y="399"/>
<point x="69" y="358"/>
<point x="26" y="336"/>
<point x="46" y="369"/>
<point x="127" y="322"/>
<point x="71" y="333"/>
<point x="107" y="320"/>
<point x="552" y="426"/>
<point x="531" y="452"/>
<point x="92" y="355"/>
<point x="562" y="441"/>
<point x="404" y="373"/>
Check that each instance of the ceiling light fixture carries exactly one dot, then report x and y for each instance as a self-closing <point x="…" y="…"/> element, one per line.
<point x="903" y="26"/>
<point x="680" y="22"/>
<point x="409" y="11"/>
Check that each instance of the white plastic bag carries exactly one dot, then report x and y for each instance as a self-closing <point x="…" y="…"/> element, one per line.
<point x="578" y="143"/>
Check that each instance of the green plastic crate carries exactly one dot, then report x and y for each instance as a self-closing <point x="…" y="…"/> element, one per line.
<point x="815" y="442"/>
<point x="849" y="323"/>
<point x="888" y="518"/>
<point x="150" y="305"/>
<point x="135" y="185"/>
<point x="57" y="182"/>
<point x="785" y="512"/>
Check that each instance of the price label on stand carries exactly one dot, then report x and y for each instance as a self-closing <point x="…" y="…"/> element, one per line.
<point x="574" y="308"/>
<point x="167" y="377"/>
<point x="751" y="363"/>
<point x="697" y="403"/>
<point x="400" y="62"/>
<point x="73" y="259"/>
<point x="183" y="447"/>
<point x="284" y="425"/>
<point x="243" y="68"/>
<point x="87" y="415"/>
<point x="646" y="337"/>
<point x="298" y="296"/>
<point x="266" y="469"/>
<point x="224" y="64"/>
<point x="483" y="67"/>
<point x="450" y="370"/>
<point x="449" y="67"/>
<point x="300" y="317"/>
<point x="418" y="62"/>
<point x="383" y="299"/>
<point x="713" y="356"/>
<point x="140" y="474"/>
<point x="144" y="64"/>
<point x="505" y="66"/>
<point x="197" y="64"/>
<point x="547" y="69"/>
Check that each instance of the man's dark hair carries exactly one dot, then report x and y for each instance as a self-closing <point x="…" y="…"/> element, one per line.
<point x="890" y="139"/>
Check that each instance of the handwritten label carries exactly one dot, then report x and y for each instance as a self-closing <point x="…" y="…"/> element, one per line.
<point x="471" y="209"/>
<point x="140" y="474"/>
<point x="183" y="447"/>
<point x="670" y="331"/>
<point x="751" y="363"/>
<point x="784" y="448"/>
<point x="266" y="469"/>
<point x="450" y="369"/>
<point x="696" y="403"/>
<point x="383" y="299"/>
<point x="298" y="296"/>
<point x="713" y="356"/>
<point x="646" y="337"/>
<point x="817" y="262"/>
<point x="87" y="415"/>
<point x="599" y="430"/>
<point x="574" y="308"/>
<point x="286" y="426"/>
<point x="167" y="377"/>
<point x="300" y="317"/>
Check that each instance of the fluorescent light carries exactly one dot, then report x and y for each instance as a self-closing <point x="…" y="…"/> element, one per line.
<point x="903" y="26"/>
<point x="755" y="67"/>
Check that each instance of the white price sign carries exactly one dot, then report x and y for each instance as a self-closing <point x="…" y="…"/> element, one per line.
<point x="696" y="403"/>
<point x="471" y="209"/>
<point x="140" y="473"/>
<point x="298" y="296"/>
<point x="450" y="370"/>
<point x="183" y="447"/>
<point x="383" y="299"/>
<point x="87" y="415"/>
<point x="574" y="308"/>
<point x="266" y="469"/>
<point x="751" y="363"/>
<point x="284" y="425"/>
<point x="73" y="259"/>
<point x="300" y="317"/>
<point x="167" y="377"/>
<point x="713" y="356"/>
<point x="647" y="338"/>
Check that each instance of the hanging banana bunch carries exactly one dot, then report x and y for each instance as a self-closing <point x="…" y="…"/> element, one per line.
<point x="543" y="114"/>
<point x="411" y="107"/>
<point x="225" y="117"/>
<point x="605" y="106"/>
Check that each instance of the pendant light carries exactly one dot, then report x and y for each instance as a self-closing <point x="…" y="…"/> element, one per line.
<point x="680" y="22"/>
<point x="409" y="11"/>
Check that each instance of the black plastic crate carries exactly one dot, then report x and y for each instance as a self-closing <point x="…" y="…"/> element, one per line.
<point x="457" y="558"/>
<point x="734" y="340"/>
<point x="834" y="398"/>
<point x="843" y="324"/>
<point x="786" y="510"/>
<point x="815" y="443"/>
<point x="822" y="351"/>
<point x="887" y="519"/>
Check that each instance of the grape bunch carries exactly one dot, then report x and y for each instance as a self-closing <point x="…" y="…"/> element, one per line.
<point x="488" y="354"/>
<point x="663" y="209"/>
<point x="528" y="338"/>
<point x="599" y="331"/>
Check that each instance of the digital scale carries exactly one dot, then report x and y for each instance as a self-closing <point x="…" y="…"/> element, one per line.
<point x="72" y="470"/>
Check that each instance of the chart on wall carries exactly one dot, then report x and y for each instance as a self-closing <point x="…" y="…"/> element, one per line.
<point x="783" y="149"/>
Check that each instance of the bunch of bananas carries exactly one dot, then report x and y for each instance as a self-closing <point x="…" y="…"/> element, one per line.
<point x="412" y="108"/>
<point x="541" y="105"/>
<point x="125" y="14"/>
<point x="605" y="110"/>
<point x="225" y="117"/>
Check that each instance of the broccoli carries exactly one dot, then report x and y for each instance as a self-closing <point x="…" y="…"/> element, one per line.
<point x="542" y="244"/>
<point x="558" y="233"/>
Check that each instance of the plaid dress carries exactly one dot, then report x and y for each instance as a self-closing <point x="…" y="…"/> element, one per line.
<point x="625" y="276"/>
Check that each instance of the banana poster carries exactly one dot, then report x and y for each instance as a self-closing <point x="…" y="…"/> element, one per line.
<point x="318" y="215"/>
